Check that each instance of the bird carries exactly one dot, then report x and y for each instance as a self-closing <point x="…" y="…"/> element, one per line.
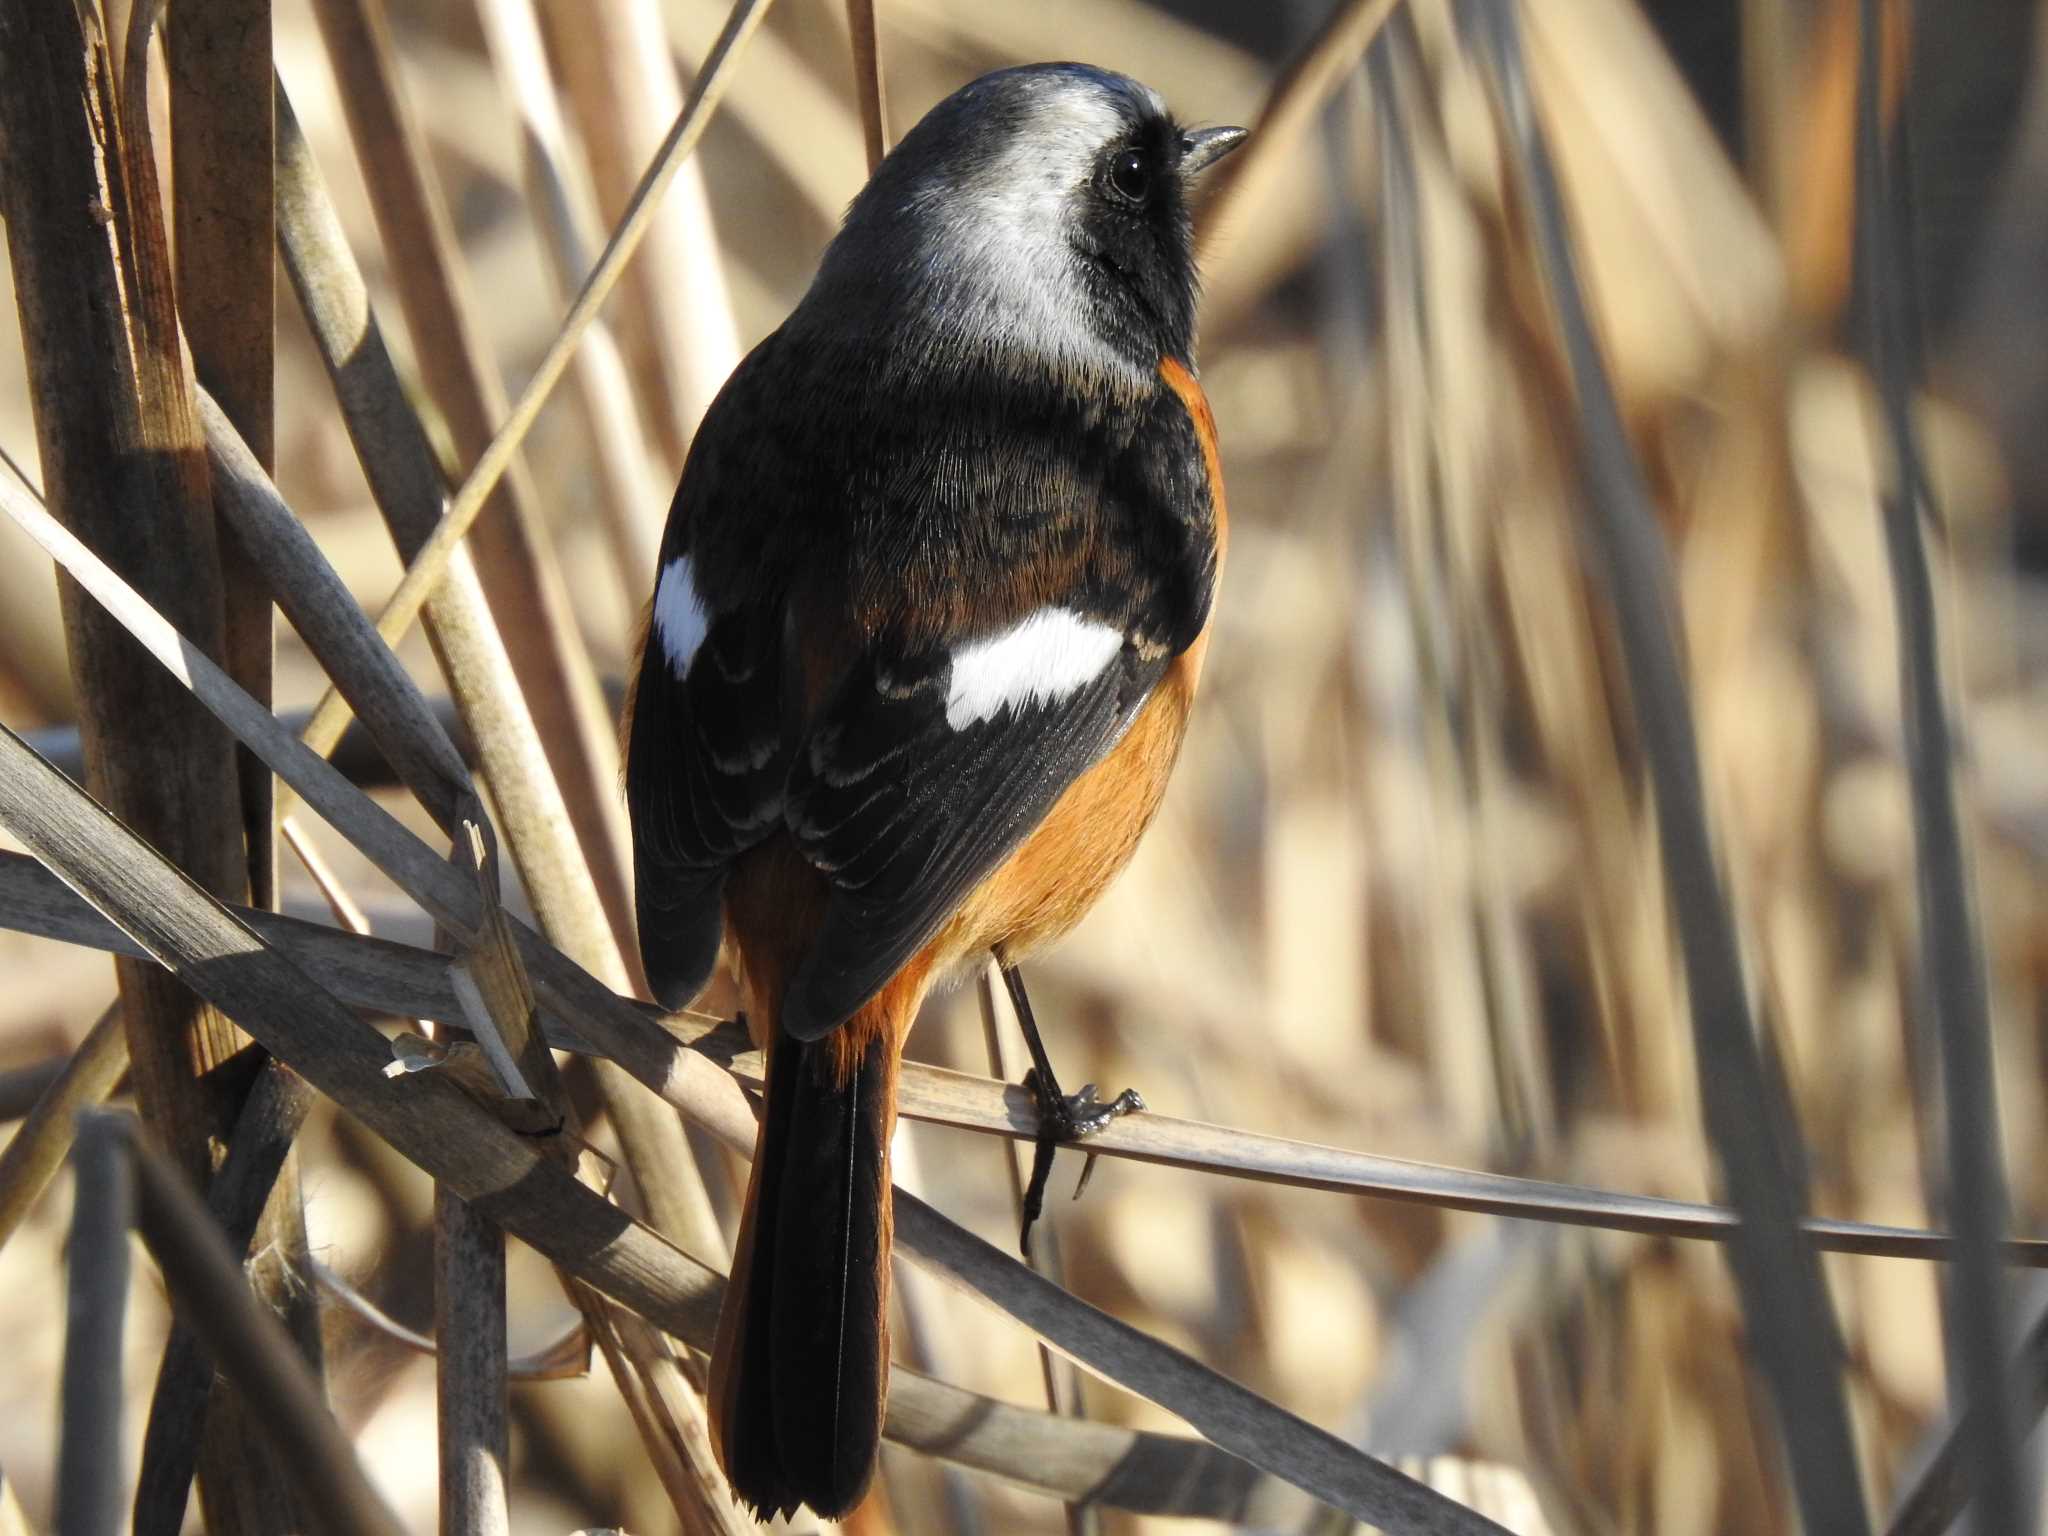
<point x="931" y="607"/>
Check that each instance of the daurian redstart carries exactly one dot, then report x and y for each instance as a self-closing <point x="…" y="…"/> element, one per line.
<point x="933" y="600"/>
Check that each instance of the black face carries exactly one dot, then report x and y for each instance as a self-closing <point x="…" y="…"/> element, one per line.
<point x="1136" y="241"/>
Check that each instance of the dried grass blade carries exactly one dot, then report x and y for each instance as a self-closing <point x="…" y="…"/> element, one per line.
<point x="423" y="575"/>
<point x="1302" y="91"/>
<point x="1232" y="1417"/>
<point x="37" y="1150"/>
<point x="1952" y="975"/>
<point x="511" y="549"/>
<point x="325" y="613"/>
<point x="867" y="80"/>
<point x="1797" y="1345"/>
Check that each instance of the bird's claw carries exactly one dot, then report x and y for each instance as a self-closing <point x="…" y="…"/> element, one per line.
<point x="1068" y="1118"/>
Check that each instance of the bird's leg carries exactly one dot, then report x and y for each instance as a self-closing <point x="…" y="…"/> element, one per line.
<point x="1061" y="1117"/>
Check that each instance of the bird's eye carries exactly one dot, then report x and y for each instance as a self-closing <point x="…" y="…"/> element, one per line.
<point x="1130" y="173"/>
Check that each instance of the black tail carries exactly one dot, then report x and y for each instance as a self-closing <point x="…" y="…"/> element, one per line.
<point x="800" y="1373"/>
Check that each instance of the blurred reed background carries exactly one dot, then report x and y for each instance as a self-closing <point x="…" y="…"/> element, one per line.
<point x="1409" y="893"/>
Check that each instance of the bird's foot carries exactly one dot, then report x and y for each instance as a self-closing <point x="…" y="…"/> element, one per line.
<point x="1065" y="1118"/>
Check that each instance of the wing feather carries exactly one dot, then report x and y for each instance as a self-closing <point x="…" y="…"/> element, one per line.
<point x="904" y="847"/>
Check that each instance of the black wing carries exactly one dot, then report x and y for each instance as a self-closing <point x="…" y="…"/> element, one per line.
<point x="705" y="766"/>
<point x="906" y="811"/>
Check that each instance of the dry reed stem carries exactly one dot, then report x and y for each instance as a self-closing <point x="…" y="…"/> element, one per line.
<point x="627" y="494"/>
<point x="470" y="1371"/>
<point x="221" y="158"/>
<point x="1944" y="1487"/>
<point x="240" y="1207"/>
<point x="1952" y="973"/>
<point x="117" y="446"/>
<point x="1312" y="77"/>
<point x="620" y="75"/>
<point x="380" y="691"/>
<point x="521" y="579"/>
<point x="89" y="1480"/>
<point x="424" y="572"/>
<point x="142" y="494"/>
<point x="393" y="451"/>
<point x="1062" y="1381"/>
<point x="868" y="83"/>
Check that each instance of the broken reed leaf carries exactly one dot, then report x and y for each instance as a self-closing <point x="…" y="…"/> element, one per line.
<point x="379" y="976"/>
<point x="528" y="1192"/>
<point x="497" y="1004"/>
<point x="566" y="1359"/>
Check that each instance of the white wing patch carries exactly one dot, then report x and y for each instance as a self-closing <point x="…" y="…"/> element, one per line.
<point x="1043" y="657"/>
<point x="680" y="618"/>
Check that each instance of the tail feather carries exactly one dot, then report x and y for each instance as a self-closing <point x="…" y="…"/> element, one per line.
<point x="801" y="1369"/>
<point x="742" y="1418"/>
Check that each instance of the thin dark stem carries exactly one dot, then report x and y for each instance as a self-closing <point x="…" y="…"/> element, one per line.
<point x="262" y="1140"/>
<point x="1951" y="964"/>
<point x="1795" y="1342"/>
<point x="89" y="1453"/>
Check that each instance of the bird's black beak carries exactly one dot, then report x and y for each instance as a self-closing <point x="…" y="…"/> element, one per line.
<point x="1205" y="146"/>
